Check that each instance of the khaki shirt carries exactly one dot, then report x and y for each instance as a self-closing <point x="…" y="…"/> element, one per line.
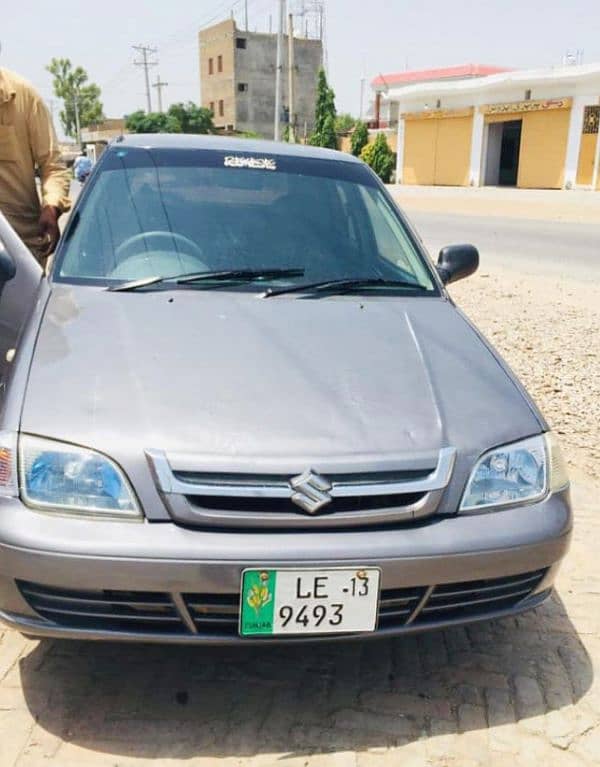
<point x="28" y="142"/>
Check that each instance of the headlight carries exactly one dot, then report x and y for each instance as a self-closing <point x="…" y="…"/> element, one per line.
<point x="523" y="472"/>
<point x="73" y="480"/>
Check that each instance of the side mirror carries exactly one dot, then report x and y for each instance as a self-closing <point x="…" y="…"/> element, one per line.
<point x="456" y="262"/>
<point x="8" y="268"/>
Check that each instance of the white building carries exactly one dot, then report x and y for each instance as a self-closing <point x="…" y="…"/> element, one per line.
<point x="475" y="126"/>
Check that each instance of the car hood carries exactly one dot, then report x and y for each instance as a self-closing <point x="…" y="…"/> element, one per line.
<point x="285" y="383"/>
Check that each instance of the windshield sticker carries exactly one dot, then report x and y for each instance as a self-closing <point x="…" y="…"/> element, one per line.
<point x="257" y="163"/>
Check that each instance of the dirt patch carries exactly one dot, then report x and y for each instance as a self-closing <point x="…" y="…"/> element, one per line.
<point x="548" y="330"/>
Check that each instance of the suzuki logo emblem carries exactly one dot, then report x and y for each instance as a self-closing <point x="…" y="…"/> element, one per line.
<point x="311" y="491"/>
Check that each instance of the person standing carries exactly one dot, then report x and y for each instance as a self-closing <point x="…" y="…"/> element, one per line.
<point x="82" y="167"/>
<point x="28" y="146"/>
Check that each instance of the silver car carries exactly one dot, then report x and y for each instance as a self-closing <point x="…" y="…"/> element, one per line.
<point x="243" y="407"/>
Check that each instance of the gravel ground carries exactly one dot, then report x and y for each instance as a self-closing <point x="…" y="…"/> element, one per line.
<point x="548" y="330"/>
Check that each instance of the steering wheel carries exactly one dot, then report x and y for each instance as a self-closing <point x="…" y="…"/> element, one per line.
<point x="159" y="235"/>
<point x="157" y="262"/>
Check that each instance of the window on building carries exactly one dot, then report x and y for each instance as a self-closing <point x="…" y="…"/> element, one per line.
<point x="528" y="94"/>
<point x="211" y="106"/>
<point x="219" y="63"/>
<point x="591" y="119"/>
<point x="210" y="67"/>
<point x="243" y="87"/>
<point x="221" y="107"/>
<point x="240" y="43"/>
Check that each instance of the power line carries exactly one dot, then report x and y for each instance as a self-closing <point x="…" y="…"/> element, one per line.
<point x="146" y="51"/>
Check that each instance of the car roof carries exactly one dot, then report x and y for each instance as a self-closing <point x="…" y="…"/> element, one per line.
<point x="229" y="144"/>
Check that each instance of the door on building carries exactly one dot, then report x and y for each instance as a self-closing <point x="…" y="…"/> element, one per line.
<point x="503" y="152"/>
<point x="437" y="150"/>
<point x="544" y="149"/>
<point x="510" y="149"/>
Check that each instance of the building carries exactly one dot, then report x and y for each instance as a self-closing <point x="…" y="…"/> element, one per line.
<point x="479" y="126"/>
<point x="96" y="137"/>
<point x="237" y="78"/>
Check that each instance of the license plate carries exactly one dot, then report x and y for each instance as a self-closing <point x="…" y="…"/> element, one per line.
<point x="304" y="602"/>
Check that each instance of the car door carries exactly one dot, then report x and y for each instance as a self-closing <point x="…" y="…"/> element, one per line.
<point x="18" y="294"/>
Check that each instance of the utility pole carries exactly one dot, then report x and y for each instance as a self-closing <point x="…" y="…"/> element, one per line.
<point x="246" y="15"/>
<point x="278" y="68"/>
<point x="159" y="85"/>
<point x="362" y="97"/>
<point x="146" y="51"/>
<point x="291" y="65"/>
<point x="77" y="121"/>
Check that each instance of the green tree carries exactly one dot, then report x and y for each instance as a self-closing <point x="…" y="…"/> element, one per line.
<point x="324" y="133"/>
<point x="344" y="123"/>
<point x="71" y="85"/>
<point x="192" y="118"/>
<point x="151" y="122"/>
<point x="380" y="157"/>
<point x="180" y="118"/>
<point x="359" y="138"/>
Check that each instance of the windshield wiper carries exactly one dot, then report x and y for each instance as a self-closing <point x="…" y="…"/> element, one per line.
<point x="135" y="284"/>
<point x="344" y="285"/>
<point x="242" y="275"/>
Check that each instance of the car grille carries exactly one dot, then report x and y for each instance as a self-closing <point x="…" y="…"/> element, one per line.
<point x="217" y="615"/>
<point x="303" y="501"/>
<point x="106" y="610"/>
<point x="214" y="613"/>
<point x="286" y="506"/>
<point x="462" y="600"/>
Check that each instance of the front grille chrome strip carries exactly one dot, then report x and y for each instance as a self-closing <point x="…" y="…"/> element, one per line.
<point x="170" y="484"/>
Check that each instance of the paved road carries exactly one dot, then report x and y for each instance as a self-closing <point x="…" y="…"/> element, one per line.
<point x="558" y="248"/>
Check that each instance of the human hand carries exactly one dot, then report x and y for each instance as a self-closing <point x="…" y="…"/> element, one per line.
<point x="49" y="230"/>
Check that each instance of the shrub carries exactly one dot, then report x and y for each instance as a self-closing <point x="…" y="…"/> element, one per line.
<point x="380" y="157"/>
<point x="359" y="138"/>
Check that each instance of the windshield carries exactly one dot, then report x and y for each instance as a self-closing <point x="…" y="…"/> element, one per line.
<point x="167" y="213"/>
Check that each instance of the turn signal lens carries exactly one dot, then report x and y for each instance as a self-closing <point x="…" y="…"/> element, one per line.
<point x="8" y="464"/>
<point x="557" y="466"/>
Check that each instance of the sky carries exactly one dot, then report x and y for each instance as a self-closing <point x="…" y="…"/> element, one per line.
<point x="363" y="39"/>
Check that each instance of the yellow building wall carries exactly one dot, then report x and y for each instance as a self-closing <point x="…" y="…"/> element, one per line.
<point x="587" y="154"/>
<point x="392" y="139"/>
<point x="216" y="41"/>
<point x="453" y="151"/>
<point x="437" y="151"/>
<point x="543" y="149"/>
<point x="345" y="142"/>
<point x="420" y="137"/>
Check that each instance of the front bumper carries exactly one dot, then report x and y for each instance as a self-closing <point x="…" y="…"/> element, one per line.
<point x="482" y="557"/>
